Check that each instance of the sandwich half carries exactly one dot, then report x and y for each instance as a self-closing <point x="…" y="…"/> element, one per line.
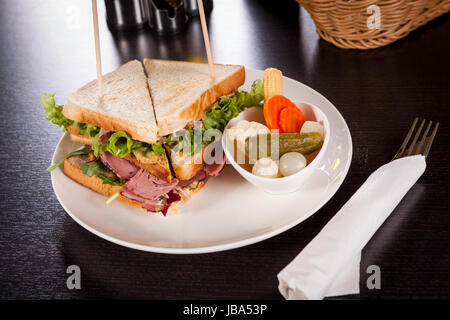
<point x="131" y="154"/>
<point x="126" y="104"/>
<point x="182" y="94"/>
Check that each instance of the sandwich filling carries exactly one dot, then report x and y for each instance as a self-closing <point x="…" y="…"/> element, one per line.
<point x="137" y="184"/>
<point x="119" y="160"/>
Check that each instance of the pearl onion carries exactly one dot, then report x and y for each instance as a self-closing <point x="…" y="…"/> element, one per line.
<point x="265" y="167"/>
<point x="291" y="162"/>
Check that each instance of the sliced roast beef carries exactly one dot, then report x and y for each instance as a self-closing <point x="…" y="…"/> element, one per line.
<point x="201" y="175"/>
<point x="148" y="186"/>
<point x="123" y="168"/>
<point x="161" y="204"/>
<point x="132" y="196"/>
<point x="214" y="169"/>
<point x="150" y="205"/>
<point x="104" y="135"/>
<point x="156" y="205"/>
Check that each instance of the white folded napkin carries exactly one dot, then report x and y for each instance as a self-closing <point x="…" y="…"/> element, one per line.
<point x="329" y="264"/>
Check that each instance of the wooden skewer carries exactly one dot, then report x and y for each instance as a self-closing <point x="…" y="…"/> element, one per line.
<point x="97" y="50"/>
<point x="201" y="11"/>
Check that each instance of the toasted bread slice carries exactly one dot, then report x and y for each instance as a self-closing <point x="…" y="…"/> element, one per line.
<point x="73" y="171"/>
<point x="74" y="136"/>
<point x="125" y="106"/>
<point x="183" y="91"/>
<point x="157" y="166"/>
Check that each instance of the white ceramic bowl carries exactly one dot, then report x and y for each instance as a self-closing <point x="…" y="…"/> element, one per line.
<point x="287" y="184"/>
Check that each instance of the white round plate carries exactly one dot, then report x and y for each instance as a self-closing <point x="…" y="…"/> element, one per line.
<point x="228" y="212"/>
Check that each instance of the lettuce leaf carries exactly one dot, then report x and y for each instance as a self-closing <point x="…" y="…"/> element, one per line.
<point x="229" y="107"/>
<point x="158" y="149"/>
<point x="146" y="149"/>
<point x="93" y="168"/>
<point x="54" y="112"/>
<point x="120" y="145"/>
<point x="55" y="116"/>
<point x="111" y="181"/>
<point x="226" y="109"/>
<point x="190" y="138"/>
<point x="96" y="168"/>
<point x="81" y="151"/>
<point x="86" y="129"/>
<point x="120" y="149"/>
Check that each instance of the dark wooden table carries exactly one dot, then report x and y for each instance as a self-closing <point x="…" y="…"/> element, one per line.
<point x="45" y="48"/>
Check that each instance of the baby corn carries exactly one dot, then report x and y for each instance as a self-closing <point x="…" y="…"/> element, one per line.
<point x="273" y="83"/>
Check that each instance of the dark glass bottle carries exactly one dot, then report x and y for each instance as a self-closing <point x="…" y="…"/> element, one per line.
<point x="126" y="14"/>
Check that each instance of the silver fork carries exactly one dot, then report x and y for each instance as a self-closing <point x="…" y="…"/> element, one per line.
<point x="424" y="145"/>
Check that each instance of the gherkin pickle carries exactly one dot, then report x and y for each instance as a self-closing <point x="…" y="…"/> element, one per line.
<point x="274" y="145"/>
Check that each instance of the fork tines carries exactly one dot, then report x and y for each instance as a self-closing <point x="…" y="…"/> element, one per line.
<point x="421" y="143"/>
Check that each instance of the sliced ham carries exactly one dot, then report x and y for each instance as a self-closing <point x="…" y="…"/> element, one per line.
<point x="146" y="185"/>
<point x="123" y="168"/>
<point x="201" y="175"/>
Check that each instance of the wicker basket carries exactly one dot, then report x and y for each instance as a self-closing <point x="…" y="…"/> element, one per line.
<point x="345" y="24"/>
